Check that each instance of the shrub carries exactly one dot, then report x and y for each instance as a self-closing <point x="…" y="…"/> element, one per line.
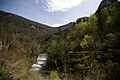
<point x="5" y="74"/>
<point x="54" y="75"/>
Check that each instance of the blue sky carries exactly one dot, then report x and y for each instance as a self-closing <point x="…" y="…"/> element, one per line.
<point x="51" y="12"/>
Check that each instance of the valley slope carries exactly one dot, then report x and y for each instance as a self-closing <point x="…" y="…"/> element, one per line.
<point x="20" y="41"/>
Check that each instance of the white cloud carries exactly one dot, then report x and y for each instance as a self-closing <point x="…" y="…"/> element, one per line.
<point x="65" y="21"/>
<point x="37" y="1"/>
<point x="61" y="5"/>
<point x="53" y="25"/>
<point x="56" y="25"/>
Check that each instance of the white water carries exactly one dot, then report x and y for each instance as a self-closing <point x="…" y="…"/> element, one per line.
<point x="41" y="61"/>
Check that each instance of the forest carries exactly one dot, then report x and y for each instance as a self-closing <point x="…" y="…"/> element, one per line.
<point x="90" y="49"/>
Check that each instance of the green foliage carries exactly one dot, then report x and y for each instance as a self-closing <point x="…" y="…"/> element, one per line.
<point x="98" y="38"/>
<point x="57" y="52"/>
<point x="5" y="74"/>
<point x="54" y="75"/>
<point x="87" y="41"/>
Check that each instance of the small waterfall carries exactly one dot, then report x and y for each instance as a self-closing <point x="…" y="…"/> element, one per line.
<point x="41" y="61"/>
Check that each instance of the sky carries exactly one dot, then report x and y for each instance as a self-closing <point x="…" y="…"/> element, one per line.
<point x="51" y="12"/>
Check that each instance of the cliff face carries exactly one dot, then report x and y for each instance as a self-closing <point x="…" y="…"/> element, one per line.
<point x="107" y="2"/>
